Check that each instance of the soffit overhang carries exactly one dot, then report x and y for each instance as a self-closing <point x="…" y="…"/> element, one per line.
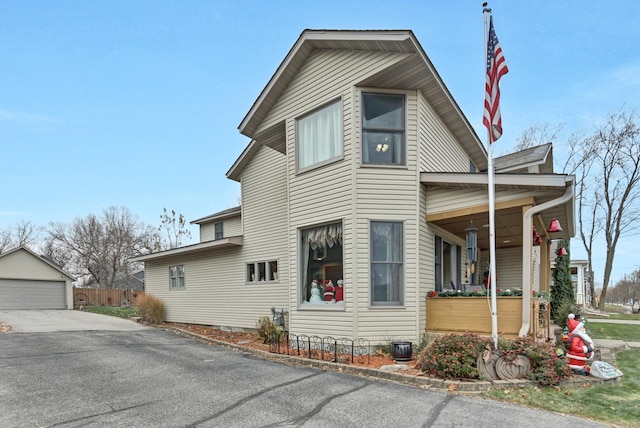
<point x="415" y="72"/>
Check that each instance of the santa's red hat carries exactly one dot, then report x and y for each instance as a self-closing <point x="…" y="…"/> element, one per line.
<point x="573" y="324"/>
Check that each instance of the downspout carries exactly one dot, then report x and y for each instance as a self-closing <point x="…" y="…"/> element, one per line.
<point x="527" y="244"/>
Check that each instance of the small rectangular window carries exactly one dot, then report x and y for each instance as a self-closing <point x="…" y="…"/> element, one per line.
<point x="176" y="277"/>
<point x="219" y="231"/>
<point x="319" y="136"/>
<point x="262" y="271"/>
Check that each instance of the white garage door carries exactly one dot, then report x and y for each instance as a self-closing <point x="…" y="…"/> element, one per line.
<point x="23" y="294"/>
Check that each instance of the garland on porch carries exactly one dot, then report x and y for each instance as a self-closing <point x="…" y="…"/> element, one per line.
<point x="509" y="292"/>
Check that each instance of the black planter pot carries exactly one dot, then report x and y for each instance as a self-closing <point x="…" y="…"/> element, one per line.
<point x="401" y="351"/>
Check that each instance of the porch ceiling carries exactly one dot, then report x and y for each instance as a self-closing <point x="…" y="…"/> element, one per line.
<point x="509" y="213"/>
<point x="508" y="225"/>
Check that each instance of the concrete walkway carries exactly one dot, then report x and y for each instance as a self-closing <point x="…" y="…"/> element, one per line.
<point x="614" y="345"/>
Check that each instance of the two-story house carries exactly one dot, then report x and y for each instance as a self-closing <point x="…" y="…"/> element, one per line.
<point x="361" y="170"/>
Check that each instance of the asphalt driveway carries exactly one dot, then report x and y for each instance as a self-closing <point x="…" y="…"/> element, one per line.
<point x="42" y="321"/>
<point x="150" y="377"/>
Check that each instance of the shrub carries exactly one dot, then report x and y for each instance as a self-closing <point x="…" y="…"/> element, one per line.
<point x="455" y="356"/>
<point x="151" y="309"/>
<point x="267" y="330"/>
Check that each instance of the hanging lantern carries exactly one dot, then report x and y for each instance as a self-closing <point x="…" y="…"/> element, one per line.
<point x="562" y="252"/>
<point x="554" y="226"/>
<point x="536" y="238"/>
<point x="472" y="243"/>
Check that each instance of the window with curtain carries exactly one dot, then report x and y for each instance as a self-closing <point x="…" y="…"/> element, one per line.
<point x="321" y="260"/>
<point x="383" y="129"/>
<point x="387" y="263"/>
<point x="319" y="137"/>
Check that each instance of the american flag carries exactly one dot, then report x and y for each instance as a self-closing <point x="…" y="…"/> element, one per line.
<point x="496" y="67"/>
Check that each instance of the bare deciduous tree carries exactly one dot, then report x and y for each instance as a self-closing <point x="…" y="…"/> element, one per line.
<point x="24" y="234"/>
<point x="174" y="228"/>
<point x="537" y="134"/>
<point x="607" y="167"/>
<point x="100" y="247"/>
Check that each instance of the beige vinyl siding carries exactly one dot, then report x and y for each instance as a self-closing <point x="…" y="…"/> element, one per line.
<point x="326" y="75"/>
<point x="21" y="264"/>
<point x="439" y="150"/>
<point x="444" y="200"/>
<point x="389" y="194"/>
<point x="509" y="268"/>
<point x="426" y="264"/>
<point x="231" y="226"/>
<point x="216" y="292"/>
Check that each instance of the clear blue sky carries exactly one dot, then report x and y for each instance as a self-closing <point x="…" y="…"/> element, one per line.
<point x="137" y="103"/>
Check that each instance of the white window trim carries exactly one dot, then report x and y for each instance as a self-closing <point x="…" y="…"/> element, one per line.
<point x="361" y="126"/>
<point x="177" y="277"/>
<point x="267" y="270"/>
<point x="297" y="138"/>
<point x="402" y="285"/>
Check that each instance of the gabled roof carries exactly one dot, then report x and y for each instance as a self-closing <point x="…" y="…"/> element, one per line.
<point x="414" y="72"/>
<point x="220" y="215"/>
<point x="537" y="159"/>
<point x="41" y="258"/>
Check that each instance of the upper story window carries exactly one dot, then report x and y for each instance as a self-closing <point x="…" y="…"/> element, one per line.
<point x="176" y="277"/>
<point x="219" y="233"/>
<point x="383" y="129"/>
<point x="319" y="137"/>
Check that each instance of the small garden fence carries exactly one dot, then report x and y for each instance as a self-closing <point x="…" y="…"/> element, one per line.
<point x="337" y="350"/>
<point x="105" y="297"/>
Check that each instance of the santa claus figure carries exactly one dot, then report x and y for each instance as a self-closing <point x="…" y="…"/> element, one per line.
<point x="339" y="291"/>
<point x="581" y="346"/>
<point x="328" y="291"/>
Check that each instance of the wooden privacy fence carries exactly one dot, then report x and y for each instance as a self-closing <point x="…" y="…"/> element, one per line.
<point x="105" y="297"/>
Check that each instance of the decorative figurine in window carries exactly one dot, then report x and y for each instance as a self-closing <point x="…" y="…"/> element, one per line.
<point x="315" y="293"/>
<point x="328" y="291"/>
<point x="339" y="291"/>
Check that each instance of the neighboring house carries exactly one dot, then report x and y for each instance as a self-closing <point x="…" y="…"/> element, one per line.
<point x="29" y="281"/>
<point x="580" y="281"/>
<point x="361" y="168"/>
<point x="134" y="281"/>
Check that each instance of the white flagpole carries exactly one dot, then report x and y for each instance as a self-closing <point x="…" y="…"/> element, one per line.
<point x="492" y="226"/>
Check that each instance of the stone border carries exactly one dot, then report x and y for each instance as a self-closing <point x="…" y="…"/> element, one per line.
<point x="419" y="381"/>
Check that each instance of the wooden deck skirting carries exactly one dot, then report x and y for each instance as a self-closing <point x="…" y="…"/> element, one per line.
<point x="473" y="315"/>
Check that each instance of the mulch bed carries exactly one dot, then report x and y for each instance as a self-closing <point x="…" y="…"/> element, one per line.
<point x="251" y="340"/>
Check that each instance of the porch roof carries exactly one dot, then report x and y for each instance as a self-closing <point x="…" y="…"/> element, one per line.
<point x="457" y="200"/>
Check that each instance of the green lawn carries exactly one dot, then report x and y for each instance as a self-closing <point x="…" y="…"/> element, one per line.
<point x="600" y="330"/>
<point x="115" y="311"/>
<point x="616" y="404"/>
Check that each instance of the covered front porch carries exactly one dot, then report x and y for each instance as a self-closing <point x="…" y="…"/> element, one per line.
<point x="528" y="199"/>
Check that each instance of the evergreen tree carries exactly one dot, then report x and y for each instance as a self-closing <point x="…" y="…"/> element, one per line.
<point x="562" y="293"/>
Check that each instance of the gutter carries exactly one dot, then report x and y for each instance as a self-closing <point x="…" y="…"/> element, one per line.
<point x="527" y="243"/>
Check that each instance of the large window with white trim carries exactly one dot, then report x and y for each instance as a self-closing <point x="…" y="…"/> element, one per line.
<point x="387" y="263"/>
<point x="383" y="129"/>
<point x="321" y="266"/>
<point x="319" y="137"/>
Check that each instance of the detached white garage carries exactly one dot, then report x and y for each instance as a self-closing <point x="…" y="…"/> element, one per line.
<point x="28" y="281"/>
